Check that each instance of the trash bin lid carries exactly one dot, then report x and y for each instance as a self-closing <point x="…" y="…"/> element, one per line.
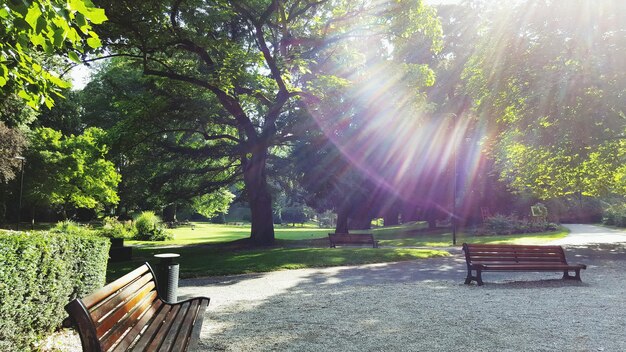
<point x="167" y="255"/>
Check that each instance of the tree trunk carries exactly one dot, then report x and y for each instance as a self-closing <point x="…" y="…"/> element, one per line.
<point x="390" y="218"/>
<point x="342" y="221"/>
<point x="169" y="213"/>
<point x="260" y="199"/>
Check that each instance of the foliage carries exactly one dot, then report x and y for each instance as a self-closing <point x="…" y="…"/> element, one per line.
<point x="615" y="215"/>
<point x="148" y="227"/>
<point x="70" y="170"/>
<point x="41" y="272"/>
<point x="113" y="228"/>
<point x="32" y="30"/>
<point x="69" y="227"/>
<point x="510" y="224"/>
<point x="12" y="144"/>
<point x="549" y="86"/>
<point x="209" y="205"/>
<point x="295" y="215"/>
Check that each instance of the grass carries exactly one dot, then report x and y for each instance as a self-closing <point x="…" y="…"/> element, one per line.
<point x="212" y="249"/>
<point x="206" y="233"/>
<point x="422" y="237"/>
<point x="203" y="260"/>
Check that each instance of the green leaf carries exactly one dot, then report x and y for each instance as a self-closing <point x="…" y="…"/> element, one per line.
<point x="59" y="37"/>
<point x="94" y="42"/>
<point x="96" y="16"/>
<point x="74" y="57"/>
<point x="3" y="82"/>
<point x="33" y="15"/>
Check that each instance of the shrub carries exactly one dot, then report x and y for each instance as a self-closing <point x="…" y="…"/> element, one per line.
<point x="112" y="228"/>
<point x="615" y="215"/>
<point x="507" y="225"/>
<point x="148" y="228"/>
<point x="41" y="272"/>
<point x="69" y="227"/>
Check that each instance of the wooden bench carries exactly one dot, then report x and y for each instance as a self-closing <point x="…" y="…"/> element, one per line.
<point x="501" y="257"/>
<point x="128" y="314"/>
<point x="351" y="238"/>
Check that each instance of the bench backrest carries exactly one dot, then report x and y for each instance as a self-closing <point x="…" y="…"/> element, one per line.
<point x="512" y="254"/>
<point x="108" y="313"/>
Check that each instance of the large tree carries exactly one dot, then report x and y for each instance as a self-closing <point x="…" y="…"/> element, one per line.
<point x="255" y="58"/>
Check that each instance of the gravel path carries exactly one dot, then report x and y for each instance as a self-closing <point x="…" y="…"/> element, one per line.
<point x="423" y="306"/>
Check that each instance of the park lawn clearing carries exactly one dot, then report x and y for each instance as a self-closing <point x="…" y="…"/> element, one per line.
<point x="207" y="233"/>
<point x="198" y="261"/>
<point x="443" y="238"/>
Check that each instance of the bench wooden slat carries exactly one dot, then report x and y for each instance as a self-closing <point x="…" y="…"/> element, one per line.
<point x="157" y="340"/>
<point x="148" y="334"/>
<point x="116" y="315"/>
<point x="181" y="339"/>
<point x="128" y="314"/>
<point x="140" y="325"/>
<point x="192" y="343"/>
<point x="107" y="305"/>
<point x="122" y="327"/>
<point x="177" y="325"/>
<point x="114" y="286"/>
<point x="485" y="257"/>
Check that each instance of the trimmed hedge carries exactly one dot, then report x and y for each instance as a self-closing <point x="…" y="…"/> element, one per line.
<point x="40" y="272"/>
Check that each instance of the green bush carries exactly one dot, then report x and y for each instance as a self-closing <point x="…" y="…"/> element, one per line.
<point x="148" y="228"/>
<point x="40" y="273"/>
<point x="615" y="215"/>
<point x="113" y="228"/>
<point x="509" y="224"/>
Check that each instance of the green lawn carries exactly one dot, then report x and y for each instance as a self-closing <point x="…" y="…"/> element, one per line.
<point x="217" y="233"/>
<point x="212" y="249"/>
<point x="443" y="237"/>
<point x="209" y="261"/>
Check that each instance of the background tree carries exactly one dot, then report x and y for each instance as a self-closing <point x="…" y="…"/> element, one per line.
<point x="253" y="59"/>
<point x="69" y="171"/>
<point x="549" y="78"/>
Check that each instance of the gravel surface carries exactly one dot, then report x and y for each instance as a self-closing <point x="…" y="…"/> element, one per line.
<point x="420" y="306"/>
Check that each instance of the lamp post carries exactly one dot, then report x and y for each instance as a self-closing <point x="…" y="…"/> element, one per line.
<point x="19" y="209"/>
<point x="454" y="178"/>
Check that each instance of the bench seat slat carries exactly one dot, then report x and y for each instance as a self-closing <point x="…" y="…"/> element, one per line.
<point x="128" y="322"/>
<point x="192" y="343"/>
<point x="183" y="335"/>
<point x="165" y="325"/>
<point x="154" y="325"/>
<point x="132" y="335"/>
<point x="177" y="324"/>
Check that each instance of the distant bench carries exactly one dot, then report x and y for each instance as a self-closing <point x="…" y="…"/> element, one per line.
<point x="351" y="238"/>
<point x="129" y="314"/>
<point x="500" y="257"/>
<point x="236" y="223"/>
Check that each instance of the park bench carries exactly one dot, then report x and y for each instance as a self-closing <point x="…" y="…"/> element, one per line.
<point x="128" y="314"/>
<point x="351" y="238"/>
<point x="501" y="257"/>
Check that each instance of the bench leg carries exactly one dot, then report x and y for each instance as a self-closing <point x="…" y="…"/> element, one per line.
<point x="567" y="276"/>
<point x="478" y="278"/>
